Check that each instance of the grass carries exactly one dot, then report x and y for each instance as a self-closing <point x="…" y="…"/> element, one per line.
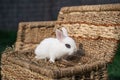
<point x="8" y="38"/>
<point x="114" y="68"/>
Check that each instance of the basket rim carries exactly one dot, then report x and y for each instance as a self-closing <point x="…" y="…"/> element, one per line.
<point x="86" y="8"/>
<point x="37" y="23"/>
<point x="23" y="26"/>
<point x="55" y="73"/>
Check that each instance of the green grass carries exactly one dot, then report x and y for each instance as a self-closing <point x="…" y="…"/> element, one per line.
<point x="114" y="68"/>
<point x="8" y="38"/>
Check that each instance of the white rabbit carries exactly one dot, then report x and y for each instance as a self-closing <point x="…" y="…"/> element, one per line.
<point x="55" y="48"/>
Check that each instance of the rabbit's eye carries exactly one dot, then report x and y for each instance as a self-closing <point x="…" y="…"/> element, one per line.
<point x="67" y="45"/>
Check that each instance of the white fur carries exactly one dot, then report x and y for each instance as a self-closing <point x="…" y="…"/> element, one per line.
<point x="54" y="48"/>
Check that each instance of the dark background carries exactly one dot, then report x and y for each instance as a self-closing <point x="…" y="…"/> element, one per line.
<point x="14" y="11"/>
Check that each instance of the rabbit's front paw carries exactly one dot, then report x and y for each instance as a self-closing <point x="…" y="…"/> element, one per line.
<point x="39" y="57"/>
<point x="51" y="60"/>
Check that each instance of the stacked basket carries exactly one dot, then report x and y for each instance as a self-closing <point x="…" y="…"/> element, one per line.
<point x="96" y="27"/>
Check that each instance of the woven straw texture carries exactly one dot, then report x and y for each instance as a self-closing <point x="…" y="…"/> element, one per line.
<point x="31" y="33"/>
<point x="96" y="30"/>
<point x="22" y="65"/>
<point x="97" y="27"/>
<point x="97" y="14"/>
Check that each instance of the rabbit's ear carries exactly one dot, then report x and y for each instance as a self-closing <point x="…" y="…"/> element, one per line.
<point x="59" y="35"/>
<point x="64" y="32"/>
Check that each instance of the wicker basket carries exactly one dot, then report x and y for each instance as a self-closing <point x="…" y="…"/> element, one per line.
<point x="31" y="33"/>
<point x="96" y="28"/>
